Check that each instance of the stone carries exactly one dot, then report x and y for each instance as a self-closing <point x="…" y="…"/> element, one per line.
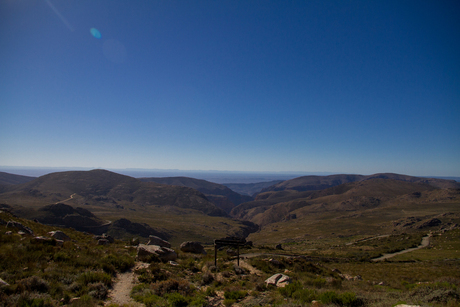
<point x="192" y="247"/>
<point x="154" y="240"/>
<point x="13" y="224"/>
<point x="8" y="233"/>
<point x="145" y="252"/>
<point x="3" y="283"/>
<point x="109" y="239"/>
<point x="59" y="235"/>
<point x="279" y="280"/>
<point x="279" y="246"/>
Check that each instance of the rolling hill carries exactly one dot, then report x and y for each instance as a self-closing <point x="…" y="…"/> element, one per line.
<point x="179" y="212"/>
<point x="311" y="183"/>
<point x="104" y="187"/>
<point x="220" y="195"/>
<point x="9" y="179"/>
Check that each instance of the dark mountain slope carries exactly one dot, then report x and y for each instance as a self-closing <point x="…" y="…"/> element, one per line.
<point x="7" y="178"/>
<point x="214" y="190"/>
<point x="353" y="196"/>
<point x="311" y="183"/>
<point x="251" y="189"/>
<point x="97" y="187"/>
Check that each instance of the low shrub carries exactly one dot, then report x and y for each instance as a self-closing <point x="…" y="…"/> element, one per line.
<point x="234" y="295"/>
<point x="181" y="286"/>
<point x="94" y="277"/>
<point x="177" y="300"/>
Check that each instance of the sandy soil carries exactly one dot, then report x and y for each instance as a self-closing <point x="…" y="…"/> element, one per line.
<point x="122" y="287"/>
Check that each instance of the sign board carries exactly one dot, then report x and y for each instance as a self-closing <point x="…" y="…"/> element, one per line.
<point x="230" y="242"/>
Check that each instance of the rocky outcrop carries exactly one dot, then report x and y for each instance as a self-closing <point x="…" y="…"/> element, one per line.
<point x="154" y="240"/>
<point x="430" y="223"/>
<point x="105" y="237"/>
<point x="192" y="247"/>
<point x="148" y="252"/>
<point x="13" y="224"/>
<point x="279" y="280"/>
<point x="59" y="235"/>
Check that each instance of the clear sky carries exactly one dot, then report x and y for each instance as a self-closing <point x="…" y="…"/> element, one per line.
<point x="315" y="86"/>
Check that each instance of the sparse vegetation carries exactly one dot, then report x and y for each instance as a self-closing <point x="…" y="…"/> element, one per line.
<point x="325" y="260"/>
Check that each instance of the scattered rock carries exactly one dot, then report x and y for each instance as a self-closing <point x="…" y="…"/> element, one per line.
<point x="192" y="247"/>
<point x="173" y="263"/>
<point x="279" y="280"/>
<point x="59" y="235"/>
<point x="239" y="270"/>
<point x="13" y="224"/>
<point x="3" y="283"/>
<point x="109" y="239"/>
<point x="9" y="233"/>
<point x="145" y="253"/>
<point x="74" y="299"/>
<point x="154" y="240"/>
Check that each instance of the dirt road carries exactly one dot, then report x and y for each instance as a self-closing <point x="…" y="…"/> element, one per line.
<point x="425" y="242"/>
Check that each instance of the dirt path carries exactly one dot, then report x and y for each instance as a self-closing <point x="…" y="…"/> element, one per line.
<point x="123" y="286"/>
<point x="249" y="267"/>
<point x="425" y="243"/>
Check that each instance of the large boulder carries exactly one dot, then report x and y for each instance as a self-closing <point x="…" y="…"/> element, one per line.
<point x="279" y="280"/>
<point x="154" y="240"/>
<point x="146" y="252"/>
<point x="59" y="235"/>
<point x="192" y="247"/>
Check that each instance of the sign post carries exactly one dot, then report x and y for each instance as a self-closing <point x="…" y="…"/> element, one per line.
<point x="228" y="242"/>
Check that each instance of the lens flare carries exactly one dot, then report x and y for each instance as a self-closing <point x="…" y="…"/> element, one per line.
<point x="95" y="32"/>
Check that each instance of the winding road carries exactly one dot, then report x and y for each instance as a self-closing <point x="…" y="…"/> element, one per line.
<point x="425" y="243"/>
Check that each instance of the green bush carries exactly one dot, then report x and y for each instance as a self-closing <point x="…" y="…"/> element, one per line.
<point x="94" y="277"/>
<point x="177" y="300"/>
<point x="234" y="295"/>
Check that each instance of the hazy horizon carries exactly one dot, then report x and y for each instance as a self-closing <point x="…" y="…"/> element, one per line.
<point x="260" y="86"/>
<point x="217" y="176"/>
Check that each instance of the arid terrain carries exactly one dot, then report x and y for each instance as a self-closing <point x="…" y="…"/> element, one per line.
<point x="341" y="240"/>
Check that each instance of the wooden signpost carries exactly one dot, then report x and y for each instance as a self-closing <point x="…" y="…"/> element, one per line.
<point x="228" y="242"/>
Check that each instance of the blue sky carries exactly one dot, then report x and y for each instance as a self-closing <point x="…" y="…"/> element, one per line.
<point x="314" y="86"/>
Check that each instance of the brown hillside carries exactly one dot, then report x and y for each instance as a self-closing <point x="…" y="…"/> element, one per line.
<point x="213" y="191"/>
<point x="353" y="196"/>
<point x="8" y="179"/>
<point x="98" y="187"/>
<point x="310" y="183"/>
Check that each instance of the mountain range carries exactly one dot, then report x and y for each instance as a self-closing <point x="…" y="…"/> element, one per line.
<point x="182" y="208"/>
